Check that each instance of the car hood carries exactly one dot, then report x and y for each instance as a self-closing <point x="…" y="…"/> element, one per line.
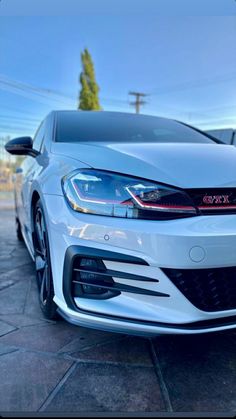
<point x="180" y="164"/>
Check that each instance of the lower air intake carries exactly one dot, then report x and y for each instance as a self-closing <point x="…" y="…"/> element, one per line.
<point x="207" y="289"/>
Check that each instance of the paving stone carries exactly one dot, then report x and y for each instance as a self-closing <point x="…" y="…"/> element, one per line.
<point x="18" y="273"/>
<point x="6" y="263"/>
<point x="5" y="349"/>
<point x="42" y="337"/>
<point x="199" y="371"/>
<point x="13" y="255"/>
<point x="130" y="350"/>
<point x="12" y="276"/>
<point x="28" y="380"/>
<point x="11" y="261"/>
<point x="32" y="306"/>
<point x="5" y="328"/>
<point x="12" y="252"/>
<point x="87" y="338"/>
<point x="12" y="299"/>
<point x="108" y="388"/>
<point x="23" y="320"/>
<point x="5" y="282"/>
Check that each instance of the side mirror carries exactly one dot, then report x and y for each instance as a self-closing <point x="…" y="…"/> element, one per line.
<point x="22" y="146"/>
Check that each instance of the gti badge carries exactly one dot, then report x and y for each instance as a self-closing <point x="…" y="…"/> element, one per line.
<point x="216" y="199"/>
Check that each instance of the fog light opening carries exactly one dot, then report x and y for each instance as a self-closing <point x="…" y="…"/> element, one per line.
<point x="91" y="280"/>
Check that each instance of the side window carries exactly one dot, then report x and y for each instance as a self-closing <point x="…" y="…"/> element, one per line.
<point x="39" y="136"/>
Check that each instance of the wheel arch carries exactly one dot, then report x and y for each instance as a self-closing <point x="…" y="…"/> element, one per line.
<point x="34" y="200"/>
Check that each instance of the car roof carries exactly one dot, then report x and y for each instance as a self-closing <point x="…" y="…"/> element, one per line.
<point x="107" y="113"/>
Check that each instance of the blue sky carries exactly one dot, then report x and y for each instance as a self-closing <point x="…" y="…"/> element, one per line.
<point x="184" y="58"/>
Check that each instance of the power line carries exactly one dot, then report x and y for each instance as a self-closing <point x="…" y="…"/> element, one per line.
<point x="138" y="101"/>
<point x="35" y="93"/>
<point x="193" y="84"/>
<point x="42" y="94"/>
<point x="220" y="120"/>
<point x="35" y="89"/>
<point x="19" y="111"/>
<point x="20" y="118"/>
<point x="16" y="125"/>
<point x="27" y="90"/>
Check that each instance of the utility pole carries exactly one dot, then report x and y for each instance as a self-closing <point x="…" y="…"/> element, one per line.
<point x="138" y="102"/>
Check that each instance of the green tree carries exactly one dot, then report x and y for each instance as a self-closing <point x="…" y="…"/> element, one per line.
<point x="88" y="97"/>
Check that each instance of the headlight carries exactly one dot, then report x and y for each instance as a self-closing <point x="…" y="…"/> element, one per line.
<point x="105" y="193"/>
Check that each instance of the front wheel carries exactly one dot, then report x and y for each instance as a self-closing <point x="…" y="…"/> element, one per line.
<point x="43" y="264"/>
<point x="18" y="230"/>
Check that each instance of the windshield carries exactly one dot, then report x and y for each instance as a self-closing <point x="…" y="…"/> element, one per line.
<point x="115" y="127"/>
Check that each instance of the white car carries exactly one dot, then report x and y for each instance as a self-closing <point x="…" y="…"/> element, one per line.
<point x="131" y="221"/>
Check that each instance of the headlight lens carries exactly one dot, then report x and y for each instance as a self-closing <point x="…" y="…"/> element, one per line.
<point x="105" y="193"/>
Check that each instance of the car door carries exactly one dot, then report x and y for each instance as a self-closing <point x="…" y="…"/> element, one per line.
<point x="29" y="169"/>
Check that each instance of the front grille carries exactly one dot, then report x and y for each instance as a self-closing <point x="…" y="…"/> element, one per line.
<point x="214" y="200"/>
<point x="206" y="289"/>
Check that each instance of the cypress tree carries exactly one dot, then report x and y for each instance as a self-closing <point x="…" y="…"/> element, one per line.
<point x="88" y="97"/>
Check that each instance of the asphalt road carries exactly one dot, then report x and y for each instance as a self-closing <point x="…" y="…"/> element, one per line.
<point x="56" y="367"/>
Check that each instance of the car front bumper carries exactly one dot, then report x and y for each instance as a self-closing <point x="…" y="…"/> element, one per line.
<point x="196" y="243"/>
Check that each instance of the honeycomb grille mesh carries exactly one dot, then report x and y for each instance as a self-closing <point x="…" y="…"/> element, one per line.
<point x="207" y="289"/>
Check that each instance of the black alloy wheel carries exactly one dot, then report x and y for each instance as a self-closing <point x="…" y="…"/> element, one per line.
<point x="43" y="264"/>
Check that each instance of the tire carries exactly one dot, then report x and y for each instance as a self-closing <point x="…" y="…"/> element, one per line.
<point x="18" y="230"/>
<point x="43" y="264"/>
